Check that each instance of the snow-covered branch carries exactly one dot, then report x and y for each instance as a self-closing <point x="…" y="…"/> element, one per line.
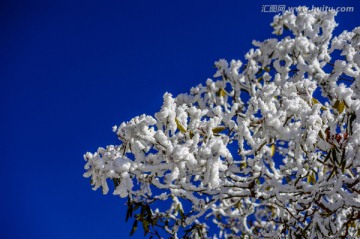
<point x="256" y="150"/>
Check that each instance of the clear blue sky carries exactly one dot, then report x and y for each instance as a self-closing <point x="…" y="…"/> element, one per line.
<point x="70" y="70"/>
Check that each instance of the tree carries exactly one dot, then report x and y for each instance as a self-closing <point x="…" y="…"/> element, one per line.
<point x="258" y="152"/>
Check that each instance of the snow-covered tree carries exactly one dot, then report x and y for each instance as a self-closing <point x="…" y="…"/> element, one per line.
<point x="269" y="148"/>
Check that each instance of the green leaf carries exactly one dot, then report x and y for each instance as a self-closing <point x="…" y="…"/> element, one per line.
<point x="311" y="178"/>
<point x="341" y="107"/>
<point x="142" y="212"/>
<point x="179" y="126"/>
<point x="181" y="212"/>
<point x="199" y="232"/>
<point x="222" y="92"/>
<point x="134" y="228"/>
<point x="182" y="215"/>
<point x="332" y="172"/>
<point x="145" y="225"/>
<point x="272" y="150"/>
<point x="343" y="161"/>
<point x="327" y="156"/>
<point x="351" y="120"/>
<point x="243" y="165"/>
<point x="129" y="211"/>
<point x="116" y="182"/>
<point x="315" y="101"/>
<point x="334" y="157"/>
<point x="154" y="222"/>
<point x="219" y="129"/>
<point x="148" y="210"/>
<point x="137" y="206"/>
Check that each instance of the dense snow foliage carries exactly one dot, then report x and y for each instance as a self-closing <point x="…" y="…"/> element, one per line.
<point x="252" y="151"/>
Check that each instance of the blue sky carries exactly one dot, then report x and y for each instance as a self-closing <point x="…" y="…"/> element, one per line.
<point x="70" y="70"/>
